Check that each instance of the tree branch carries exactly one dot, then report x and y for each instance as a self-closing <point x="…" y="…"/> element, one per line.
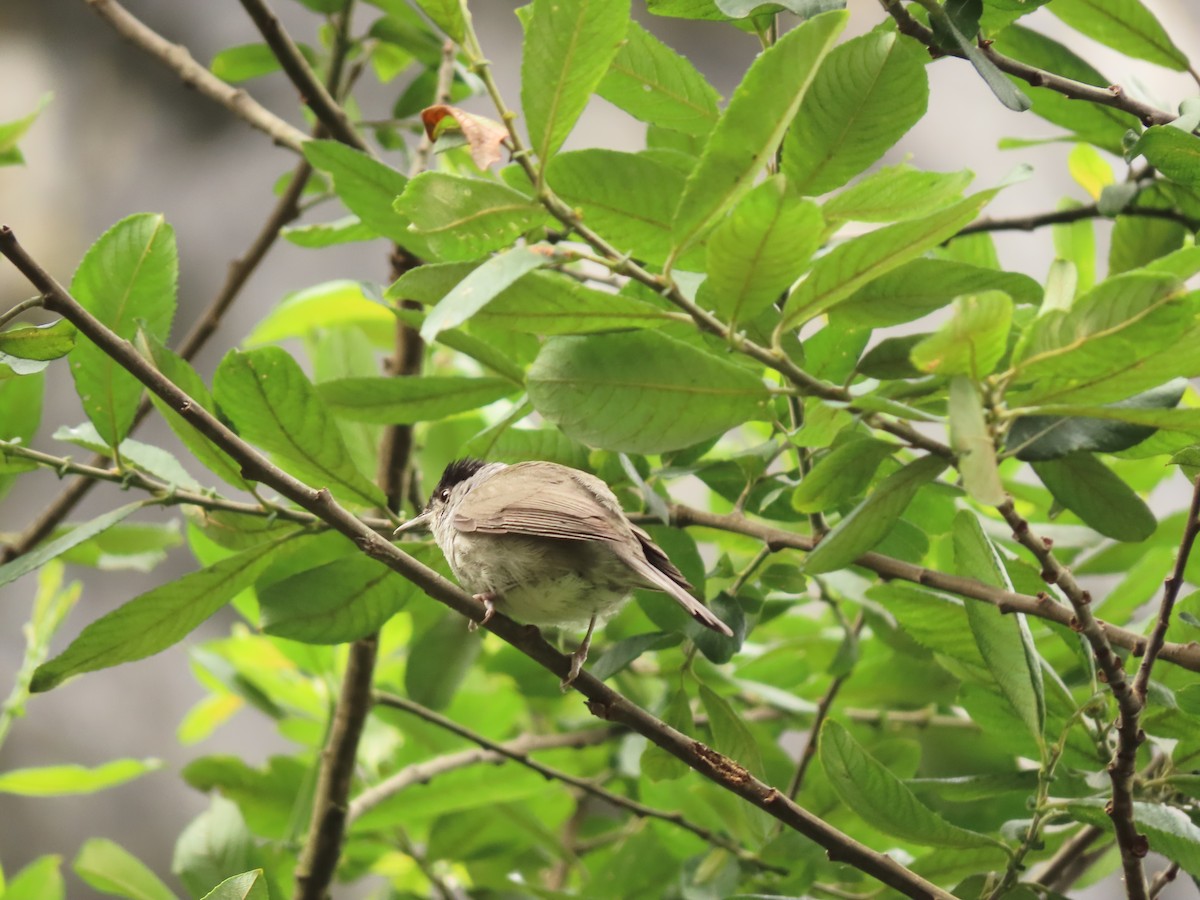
<point x="319" y="858"/>
<point x="177" y="58"/>
<point x="518" y="751"/>
<point x="312" y="92"/>
<point x="1075" y="214"/>
<point x="1133" y="845"/>
<point x="1171" y="588"/>
<point x="1058" y="873"/>
<point x="1042" y="606"/>
<point x="1113" y="96"/>
<point x="603" y="701"/>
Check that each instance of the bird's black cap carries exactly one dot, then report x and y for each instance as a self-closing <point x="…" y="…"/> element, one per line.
<point x="456" y="473"/>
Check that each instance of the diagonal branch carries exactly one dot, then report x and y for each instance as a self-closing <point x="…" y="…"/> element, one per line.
<point x="603" y="701"/>
<point x="314" y="94"/>
<point x="179" y="60"/>
<point x="1075" y="214"/>
<point x="518" y="751"/>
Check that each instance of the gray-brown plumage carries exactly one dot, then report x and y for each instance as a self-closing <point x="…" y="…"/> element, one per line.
<point x="549" y="545"/>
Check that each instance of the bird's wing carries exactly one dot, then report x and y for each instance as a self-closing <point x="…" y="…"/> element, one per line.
<point x="654" y="566"/>
<point x="547" y="502"/>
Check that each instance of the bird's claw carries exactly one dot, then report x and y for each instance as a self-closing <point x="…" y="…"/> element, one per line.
<point x="489" y="606"/>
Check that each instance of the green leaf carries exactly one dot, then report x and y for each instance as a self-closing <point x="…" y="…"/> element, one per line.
<point x="12" y="131"/>
<point x="127" y="547"/>
<point x="324" y="306"/>
<point x="39" y="880"/>
<point x="919" y="287"/>
<point x="248" y="61"/>
<point x="627" y="198"/>
<point x="1124" y="25"/>
<point x="845" y="269"/>
<point x="1173" y="152"/>
<point x="612" y="391"/>
<point x="882" y="799"/>
<point x="549" y="303"/>
<point x="866" y="95"/>
<point x="869" y="522"/>
<point x="465" y="218"/>
<point x="1004" y="641"/>
<point x="39" y="341"/>
<point x="1169" y="830"/>
<point x="57" y="781"/>
<point x="972" y="341"/>
<point x="479" y="288"/>
<point x="841" y="475"/>
<point x="1087" y="487"/>
<point x="346" y="230"/>
<point x="895" y="193"/>
<point x="1103" y="126"/>
<point x="126" y="280"/>
<point x="20" y="415"/>
<point x="246" y="886"/>
<point x="652" y="82"/>
<point x="731" y="737"/>
<point x="273" y="404"/>
<point x="181" y="373"/>
<point x="758" y="250"/>
<point x="657" y="763"/>
<point x="960" y="31"/>
<point x="1038" y="437"/>
<point x="619" y="655"/>
<point x="335" y="603"/>
<point x="972" y="441"/>
<point x="155" y="620"/>
<point x="154" y="461"/>
<point x="368" y="188"/>
<point x="111" y="869"/>
<point x="1130" y="333"/>
<point x="43" y="553"/>
<point x="568" y="48"/>
<point x="753" y="124"/>
<point x="439" y="660"/>
<point x="447" y="15"/>
<point x="403" y="401"/>
<point x="213" y="846"/>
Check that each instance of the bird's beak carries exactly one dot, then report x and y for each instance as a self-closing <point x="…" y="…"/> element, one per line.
<point x="417" y="523"/>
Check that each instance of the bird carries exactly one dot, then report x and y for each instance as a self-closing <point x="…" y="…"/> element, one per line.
<point x="549" y="545"/>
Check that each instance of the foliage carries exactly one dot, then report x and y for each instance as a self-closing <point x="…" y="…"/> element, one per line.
<point x="901" y="456"/>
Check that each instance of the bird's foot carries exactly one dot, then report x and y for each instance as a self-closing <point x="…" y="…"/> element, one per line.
<point x="488" y="599"/>
<point x="579" y="657"/>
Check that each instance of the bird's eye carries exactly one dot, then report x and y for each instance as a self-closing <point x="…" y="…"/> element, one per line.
<point x="444" y="495"/>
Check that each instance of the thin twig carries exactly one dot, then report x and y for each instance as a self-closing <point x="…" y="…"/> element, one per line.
<point x="240" y="270"/>
<point x="24" y="306"/>
<point x="177" y="58"/>
<point x="1171" y="588"/>
<point x="1042" y="606"/>
<point x="1162" y="878"/>
<point x="1132" y="844"/>
<point x="518" y="752"/>
<point x="312" y="92"/>
<point x="1075" y="214"/>
<point x="1066" y="857"/>
<point x="1113" y="96"/>
<point x="823" y="706"/>
<point x="323" y="846"/>
<point x="603" y="701"/>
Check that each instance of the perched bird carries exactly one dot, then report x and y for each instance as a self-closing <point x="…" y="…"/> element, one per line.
<point x="548" y="545"/>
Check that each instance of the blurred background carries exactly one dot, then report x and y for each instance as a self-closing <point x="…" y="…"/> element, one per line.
<point x="123" y="135"/>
